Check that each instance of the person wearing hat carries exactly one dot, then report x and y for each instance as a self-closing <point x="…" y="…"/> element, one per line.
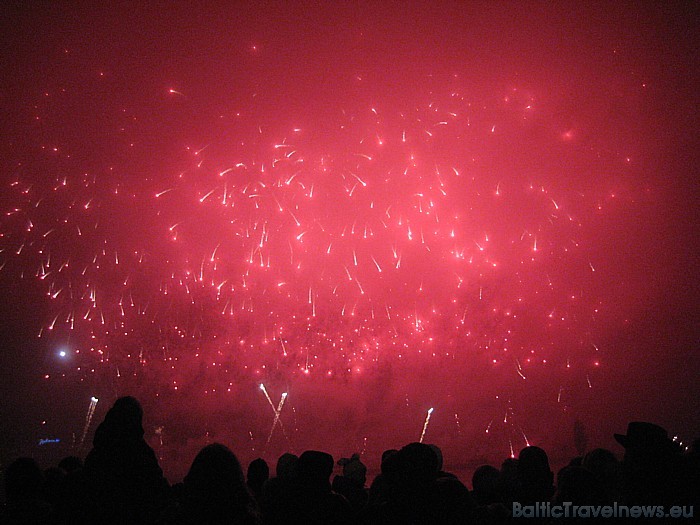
<point x="644" y="435"/>
<point x="650" y="467"/>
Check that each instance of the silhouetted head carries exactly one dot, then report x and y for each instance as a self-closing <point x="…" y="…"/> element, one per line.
<point x="70" y="464"/>
<point x="414" y="464"/>
<point x="508" y="484"/>
<point x="438" y="453"/>
<point x="533" y="464"/>
<point x="354" y="469"/>
<point x="258" y="473"/>
<point x="286" y="465"/>
<point x="315" y="468"/>
<point x="535" y="477"/>
<point x="650" y="466"/>
<point x="123" y="423"/>
<point x="605" y="466"/>
<point x="601" y="462"/>
<point x="646" y="438"/>
<point x="23" y="480"/>
<point x="509" y="468"/>
<point x="387" y="454"/>
<point x="215" y="474"/>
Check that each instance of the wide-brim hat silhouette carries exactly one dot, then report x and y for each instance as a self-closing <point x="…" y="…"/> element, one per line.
<point x="643" y="434"/>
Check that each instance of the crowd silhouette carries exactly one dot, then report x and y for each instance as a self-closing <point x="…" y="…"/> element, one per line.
<point x="121" y="482"/>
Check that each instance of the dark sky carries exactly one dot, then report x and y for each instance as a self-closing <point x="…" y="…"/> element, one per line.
<point x="594" y="103"/>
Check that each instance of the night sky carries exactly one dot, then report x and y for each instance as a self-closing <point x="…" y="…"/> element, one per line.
<point x="486" y="209"/>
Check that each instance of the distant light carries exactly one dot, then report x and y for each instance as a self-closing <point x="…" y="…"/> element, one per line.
<point x="62" y="353"/>
<point x="94" y="399"/>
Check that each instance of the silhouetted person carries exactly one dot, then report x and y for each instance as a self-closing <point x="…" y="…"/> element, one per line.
<point x="70" y="464"/>
<point x="410" y="473"/>
<point x="509" y="485"/>
<point x="485" y="482"/>
<point x="258" y="474"/>
<point x="311" y="500"/>
<point x="121" y="480"/>
<point x="536" y="480"/>
<point x="414" y="492"/>
<point x="579" y="486"/>
<point x="23" y="491"/>
<point x="377" y="490"/>
<point x="605" y="466"/>
<point x="650" y="466"/>
<point x="214" y="492"/>
<point x="66" y="495"/>
<point x="286" y="467"/>
<point x="489" y="506"/>
<point x="453" y="500"/>
<point x="276" y="491"/>
<point x="351" y="483"/>
<point x="54" y="487"/>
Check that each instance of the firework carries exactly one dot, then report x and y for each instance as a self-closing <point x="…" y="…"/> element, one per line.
<point x="88" y="420"/>
<point x="413" y="238"/>
<point x="496" y="222"/>
<point x="278" y="412"/>
<point x="425" y="424"/>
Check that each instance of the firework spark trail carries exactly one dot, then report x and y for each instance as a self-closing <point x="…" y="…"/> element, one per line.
<point x="425" y="424"/>
<point x="267" y="396"/>
<point x="278" y="413"/>
<point x="276" y="410"/>
<point x="88" y="420"/>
